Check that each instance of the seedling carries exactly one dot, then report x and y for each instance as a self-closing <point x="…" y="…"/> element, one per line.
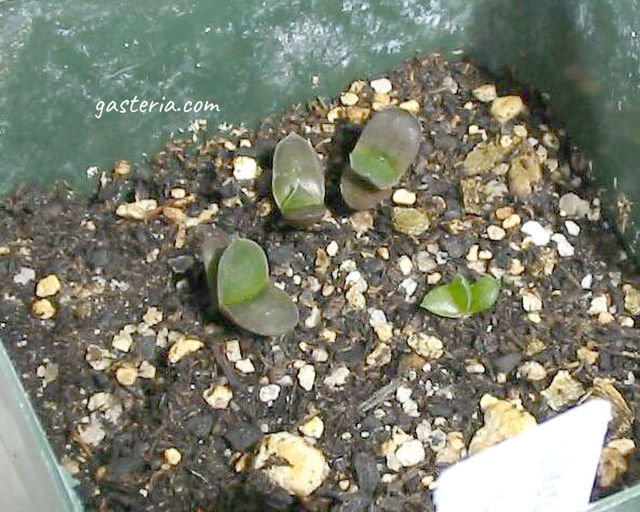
<point x="297" y="182"/>
<point x="238" y="275"/>
<point x="387" y="147"/>
<point x="460" y="299"/>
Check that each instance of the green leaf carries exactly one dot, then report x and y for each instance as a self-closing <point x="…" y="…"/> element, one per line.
<point x="387" y="147"/>
<point x="243" y="273"/>
<point x="297" y="182"/>
<point x="451" y="300"/>
<point x="484" y="293"/>
<point x="460" y="299"/>
<point x="213" y="245"/>
<point x="359" y="194"/>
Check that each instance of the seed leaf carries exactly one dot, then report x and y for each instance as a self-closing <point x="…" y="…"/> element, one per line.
<point x="460" y="299"/>
<point x="243" y="273"/>
<point x="484" y="293"/>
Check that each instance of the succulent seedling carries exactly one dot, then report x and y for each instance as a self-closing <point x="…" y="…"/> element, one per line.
<point x="387" y="147"/>
<point x="238" y="276"/>
<point x="297" y="182"/>
<point x="460" y="299"/>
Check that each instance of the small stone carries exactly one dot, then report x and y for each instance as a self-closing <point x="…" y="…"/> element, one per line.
<point x="245" y="168"/>
<point x="531" y="302"/>
<point x="521" y="131"/>
<point x="137" y="210"/>
<point x="313" y="320"/>
<point x="614" y="461"/>
<point x="572" y="205"/>
<point x="269" y="393"/>
<point x="506" y="108"/>
<point x="524" y="173"/>
<point x="533" y="371"/>
<point x="48" y="286"/>
<point x="496" y="233"/>
<point x="516" y="267"/>
<point x="48" y="372"/>
<point x="564" y="390"/>
<point x="99" y="358"/>
<point x="181" y="264"/>
<point x="146" y="370"/>
<point x="122" y="342"/>
<point x="382" y="85"/>
<point x="24" y="276"/>
<point x="303" y="467"/>
<point x="503" y="419"/>
<point x="409" y="286"/>
<point x="425" y="262"/>
<point x="383" y="252"/>
<point x="152" y="316"/>
<point x="355" y="298"/>
<point x="380" y="355"/>
<point x="587" y="356"/>
<point x="503" y="212"/>
<point x="631" y="299"/>
<point x="172" y="456"/>
<point x="337" y="378"/>
<point x="245" y="366"/>
<point x="232" y="351"/>
<point x="410" y="221"/>
<point x="122" y="168"/>
<point x="92" y="434"/>
<point x="320" y="355"/>
<point x="332" y="248"/>
<point x="306" y="377"/>
<point x="335" y="113"/>
<point x="410" y="453"/>
<point x="127" y="375"/>
<point x="434" y="278"/>
<point x="348" y="99"/>
<point x="599" y="304"/>
<point x="426" y="346"/>
<point x="586" y="282"/>
<point x="5" y="250"/>
<point x="572" y="228"/>
<point x="312" y="428"/>
<point x="178" y="193"/>
<point x="511" y="221"/>
<point x="453" y="450"/>
<point x="475" y="367"/>
<point x="565" y="249"/>
<point x="361" y="222"/>
<point x="404" y="197"/>
<point x="539" y="235"/>
<point x="410" y="106"/>
<point x="485" y="93"/>
<point x="482" y="158"/>
<point x="218" y="397"/>
<point x="405" y="265"/>
<point x="183" y="347"/>
<point x="43" y="309"/>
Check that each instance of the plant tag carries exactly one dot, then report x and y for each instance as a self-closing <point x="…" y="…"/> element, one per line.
<point x="550" y="468"/>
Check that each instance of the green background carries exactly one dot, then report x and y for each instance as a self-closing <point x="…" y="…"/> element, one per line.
<point x="59" y="57"/>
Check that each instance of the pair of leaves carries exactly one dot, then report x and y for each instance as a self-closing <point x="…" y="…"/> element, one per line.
<point x="460" y="298"/>
<point x="238" y="275"/>
<point x="297" y="182"/>
<point x="385" y="150"/>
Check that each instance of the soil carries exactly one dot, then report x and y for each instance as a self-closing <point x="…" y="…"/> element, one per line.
<point x="113" y="269"/>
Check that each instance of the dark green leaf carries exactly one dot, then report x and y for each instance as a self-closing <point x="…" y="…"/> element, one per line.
<point x="243" y="273"/>
<point x="359" y="194"/>
<point x="387" y="147"/>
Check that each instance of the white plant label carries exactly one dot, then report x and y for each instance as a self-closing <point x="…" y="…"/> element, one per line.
<point x="549" y="468"/>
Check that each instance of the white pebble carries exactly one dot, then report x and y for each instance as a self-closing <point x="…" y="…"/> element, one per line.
<point x="245" y="168"/>
<point x="24" y="276"/>
<point x="269" y="393"/>
<point x="306" y="377"/>
<point x="332" y="248"/>
<point x="586" y="282"/>
<point x="599" y="304"/>
<point x="245" y="366"/>
<point x="405" y="265"/>
<point x="410" y="453"/>
<point x="496" y="233"/>
<point x="572" y="228"/>
<point x="404" y="197"/>
<point x="539" y="235"/>
<point x="531" y="302"/>
<point x="382" y="85"/>
<point x="377" y="317"/>
<point x="409" y="286"/>
<point x="565" y="249"/>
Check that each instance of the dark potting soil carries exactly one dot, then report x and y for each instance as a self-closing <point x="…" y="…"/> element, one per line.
<point x="112" y="434"/>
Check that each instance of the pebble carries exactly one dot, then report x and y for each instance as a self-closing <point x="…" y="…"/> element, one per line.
<point x="152" y="316"/>
<point x="453" y="450"/>
<point x="405" y="265"/>
<point x="218" y="397"/>
<point x="122" y="342"/>
<point x="475" y="367"/>
<point x="426" y="346"/>
<point x="146" y="370"/>
<point x="245" y="168"/>
<point x="533" y="371"/>
<point x="572" y="228"/>
<point x="425" y="262"/>
<point x="524" y="173"/>
<point x="631" y="299"/>
<point x="332" y="248"/>
<point x="511" y="221"/>
<point x="245" y="366"/>
<point x="232" y="351"/>
<point x="5" y="250"/>
<point x="503" y="212"/>
<point x="496" y="233"/>
<point x="320" y="355"/>
<point x="127" y="375"/>
<point x="172" y="456"/>
<point x="503" y="419"/>
<point x="565" y="249"/>
<point x="562" y="391"/>
<point x="572" y="205"/>
<point x="409" y="286"/>
<point x="303" y="467"/>
<point x="614" y="461"/>
<point x="411" y="106"/>
<point x="410" y="453"/>
<point x="338" y="377"/>
<point x="92" y="434"/>
<point x="313" y="320"/>
<point x="586" y="282"/>
<point x="485" y="93"/>
<point x="410" y="221"/>
<point x="434" y="278"/>
<point x="137" y="210"/>
<point x="24" y="276"/>
<point x="482" y="158"/>
<point x="531" y="302"/>
<point x="380" y="355"/>
<point x="599" y="304"/>
<point x="43" y="309"/>
<point x="48" y="286"/>
<point x="312" y="428"/>
<point x="122" y="168"/>
<point x="306" y="377"/>
<point x="269" y="393"/>
<point x="348" y="99"/>
<point x="382" y="85"/>
<point x="520" y="130"/>
<point x="361" y="222"/>
<point x="506" y="108"/>
<point x="180" y="264"/>
<point x="183" y="347"/>
<point x="404" y="197"/>
<point x="99" y="358"/>
<point x="539" y="235"/>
